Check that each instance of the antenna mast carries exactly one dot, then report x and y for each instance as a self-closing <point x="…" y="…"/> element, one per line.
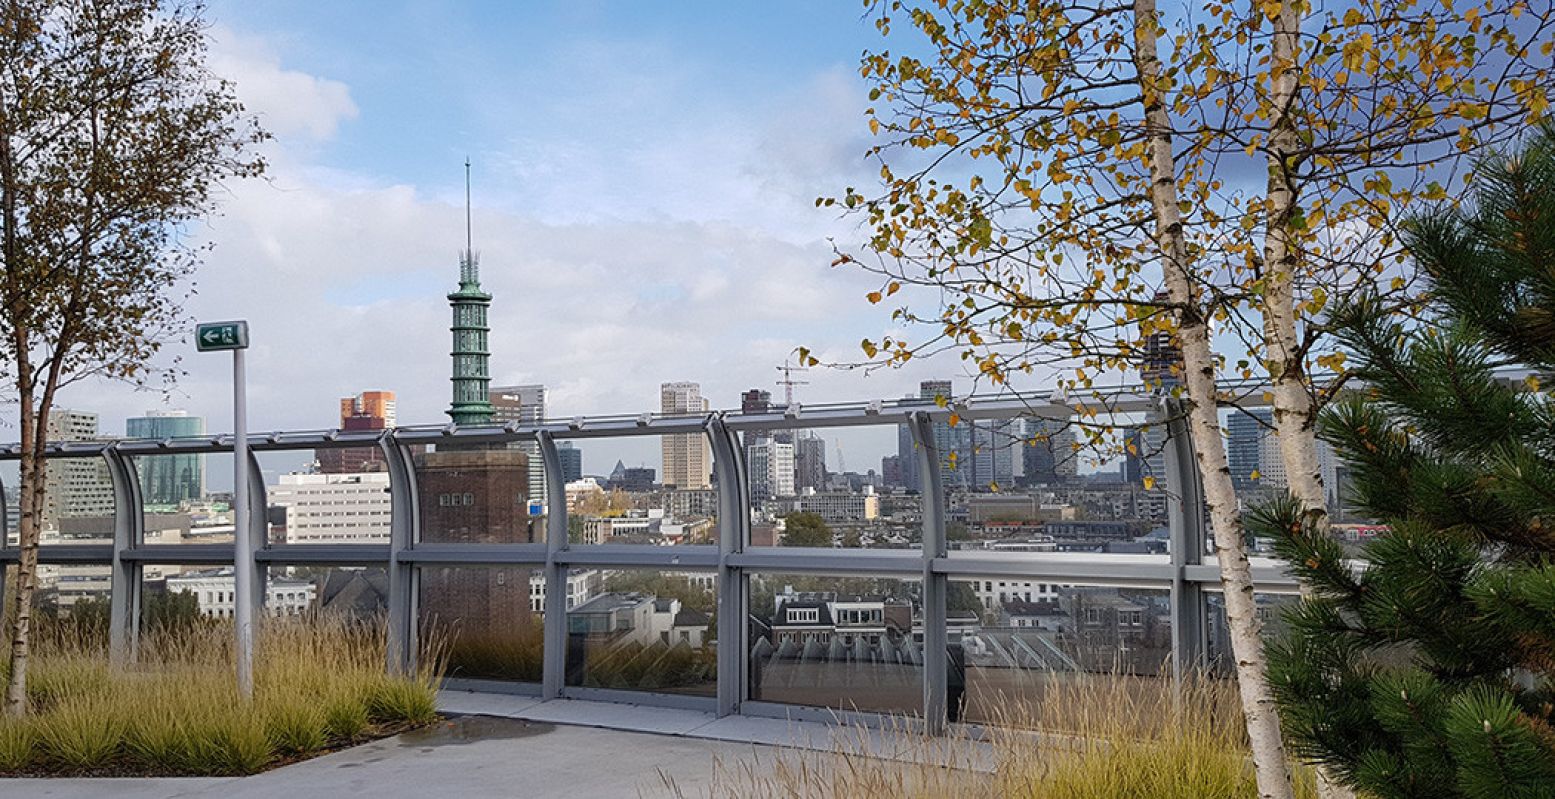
<point x="469" y="240"/>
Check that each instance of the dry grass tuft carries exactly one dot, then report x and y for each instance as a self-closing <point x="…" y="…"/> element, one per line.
<point x="318" y="684"/>
<point x="1090" y="737"/>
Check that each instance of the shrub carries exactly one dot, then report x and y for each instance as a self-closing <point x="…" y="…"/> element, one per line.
<point x="80" y="734"/>
<point x="295" y="727"/>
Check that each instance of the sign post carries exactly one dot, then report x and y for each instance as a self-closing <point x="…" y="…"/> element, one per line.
<point x="213" y="337"/>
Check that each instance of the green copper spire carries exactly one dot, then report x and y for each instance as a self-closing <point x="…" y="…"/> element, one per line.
<point x="472" y="378"/>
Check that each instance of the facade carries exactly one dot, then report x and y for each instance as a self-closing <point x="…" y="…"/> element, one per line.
<point x="582" y="585"/>
<point x="891" y="471"/>
<point x="1253" y="454"/>
<point x="524" y="405"/>
<point x="333" y="508"/>
<point x="994" y="444"/>
<point x="809" y="462"/>
<point x="475" y="496"/>
<point x="638" y="479"/>
<point x="167" y="480"/>
<point x="215" y="591"/>
<point x="572" y="462"/>
<point x="756" y="400"/>
<point x="770" y="463"/>
<point x="369" y="410"/>
<point x="1048" y="455"/>
<point x="688" y="458"/>
<point x="77" y="488"/>
<point x="835" y="506"/>
<point x="379" y="404"/>
<point x="907" y="457"/>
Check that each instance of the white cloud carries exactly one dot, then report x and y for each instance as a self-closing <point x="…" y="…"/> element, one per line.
<point x="289" y="103"/>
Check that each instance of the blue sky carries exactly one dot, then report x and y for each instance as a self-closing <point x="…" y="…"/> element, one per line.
<point x="645" y="177"/>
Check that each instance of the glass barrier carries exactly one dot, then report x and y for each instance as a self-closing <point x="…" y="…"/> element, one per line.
<point x="312" y="498"/>
<point x="847" y="643"/>
<point x="186" y="499"/>
<point x="478" y="494"/>
<point x="645" y="630"/>
<point x="485" y="621"/>
<point x="1024" y="652"/>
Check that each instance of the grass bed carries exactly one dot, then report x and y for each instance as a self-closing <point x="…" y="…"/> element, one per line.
<point x="319" y="685"/>
<point x="1090" y="737"/>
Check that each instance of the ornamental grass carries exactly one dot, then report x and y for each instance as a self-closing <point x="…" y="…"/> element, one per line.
<point x="319" y="684"/>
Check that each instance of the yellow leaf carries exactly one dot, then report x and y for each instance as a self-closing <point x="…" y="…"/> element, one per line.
<point x="1149" y="483"/>
<point x="873" y="297"/>
<point x="1253" y="475"/>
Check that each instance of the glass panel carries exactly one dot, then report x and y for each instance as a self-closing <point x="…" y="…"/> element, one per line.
<point x="77" y="503"/>
<point x="804" y="494"/>
<point x="179" y="596"/>
<point x="306" y="503"/>
<point x="71" y="616"/>
<point x="1018" y="645"/>
<point x="186" y="499"/>
<point x="636" y="504"/>
<point x="1271" y="609"/>
<point x="478" y="494"/>
<point x="849" y="643"/>
<point x="486" y="620"/>
<point x="646" y="630"/>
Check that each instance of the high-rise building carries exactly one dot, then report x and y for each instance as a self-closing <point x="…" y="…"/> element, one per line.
<point x="75" y="488"/>
<point x="1162" y="368"/>
<point x="952" y="443"/>
<point x="907" y="456"/>
<point x="809" y="462"/>
<point x="1244" y="446"/>
<point x="572" y="461"/>
<point x="891" y="471"/>
<point x="380" y="404"/>
<point x="367" y="411"/>
<point x="1047" y="454"/>
<point x="524" y="405"/>
<point x="770" y="463"/>
<point x="688" y="457"/>
<point x="169" y="479"/>
<point x="994" y="444"/>
<point x="756" y="400"/>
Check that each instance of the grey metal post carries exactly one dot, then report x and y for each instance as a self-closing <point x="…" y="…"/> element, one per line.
<point x="1187" y="538"/>
<point x="935" y="586"/>
<point x="401" y="572"/>
<point x="125" y="573"/>
<point x="243" y="570"/>
<point x="734" y="513"/>
<point x="554" y="659"/>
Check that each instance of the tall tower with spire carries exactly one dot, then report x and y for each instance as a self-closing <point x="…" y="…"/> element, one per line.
<point x="472" y="375"/>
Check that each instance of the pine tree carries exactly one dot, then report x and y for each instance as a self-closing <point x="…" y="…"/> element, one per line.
<point x="1428" y="668"/>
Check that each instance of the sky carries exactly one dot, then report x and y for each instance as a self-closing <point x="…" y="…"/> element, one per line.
<point x="644" y="185"/>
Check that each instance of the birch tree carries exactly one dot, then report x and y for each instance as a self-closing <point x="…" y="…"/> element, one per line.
<point x="1019" y="167"/>
<point x="113" y="137"/>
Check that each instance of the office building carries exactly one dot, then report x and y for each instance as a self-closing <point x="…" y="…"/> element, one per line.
<point x="524" y="405"/>
<point x="571" y="461"/>
<point x="167" y="480"/>
<point x="1048" y="454"/>
<point x="809" y="461"/>
<point x="367" y="411"/>
<point x="76" y="488"/>
<point x="333" y="508"/>
<point x="688" y="458"/>
<point x="770" y="463"/>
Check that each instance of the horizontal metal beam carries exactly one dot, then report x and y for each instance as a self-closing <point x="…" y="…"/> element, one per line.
<point x="1130" y="571"/>
<point x="683" y="557"/>
<point x="473" y="554"/>
<point x="66" y="553"/>
<point x="808" y="560"/>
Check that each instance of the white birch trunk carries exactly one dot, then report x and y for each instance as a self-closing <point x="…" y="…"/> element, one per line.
<point x="1295" y="411"/>
<point x="1263" y="724"/>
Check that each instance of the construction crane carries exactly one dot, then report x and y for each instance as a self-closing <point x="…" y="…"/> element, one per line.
<point x="788" y="382"/>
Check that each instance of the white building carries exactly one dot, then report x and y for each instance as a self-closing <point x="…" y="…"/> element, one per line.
<point x="334" y="508"/>
<point x="835" y="506"/>
<point x="526" y="405"/>
<point x="582" y="585"/>
<point x="215" y="592"/>
<point x="991" y="594"/>
<point x="771" y="466"/>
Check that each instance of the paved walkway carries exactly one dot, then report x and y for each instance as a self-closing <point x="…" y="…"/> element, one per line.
<point x="467" y="756"/>
<point x="496" y="745"/>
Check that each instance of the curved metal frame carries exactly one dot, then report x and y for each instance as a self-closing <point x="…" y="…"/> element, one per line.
<point x="1182" y="572"/>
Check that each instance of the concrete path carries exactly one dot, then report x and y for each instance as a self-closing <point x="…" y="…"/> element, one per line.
<point x="467" y="756"/>
<point x="510" y="746"/>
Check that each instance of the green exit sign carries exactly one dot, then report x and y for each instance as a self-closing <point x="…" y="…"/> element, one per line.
<point x="209" y="336"/>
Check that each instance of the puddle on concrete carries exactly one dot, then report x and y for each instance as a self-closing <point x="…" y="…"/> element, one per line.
<point x="469" y="729"/>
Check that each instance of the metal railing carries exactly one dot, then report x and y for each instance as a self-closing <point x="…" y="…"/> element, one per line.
<point x="1183" y="572"/>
